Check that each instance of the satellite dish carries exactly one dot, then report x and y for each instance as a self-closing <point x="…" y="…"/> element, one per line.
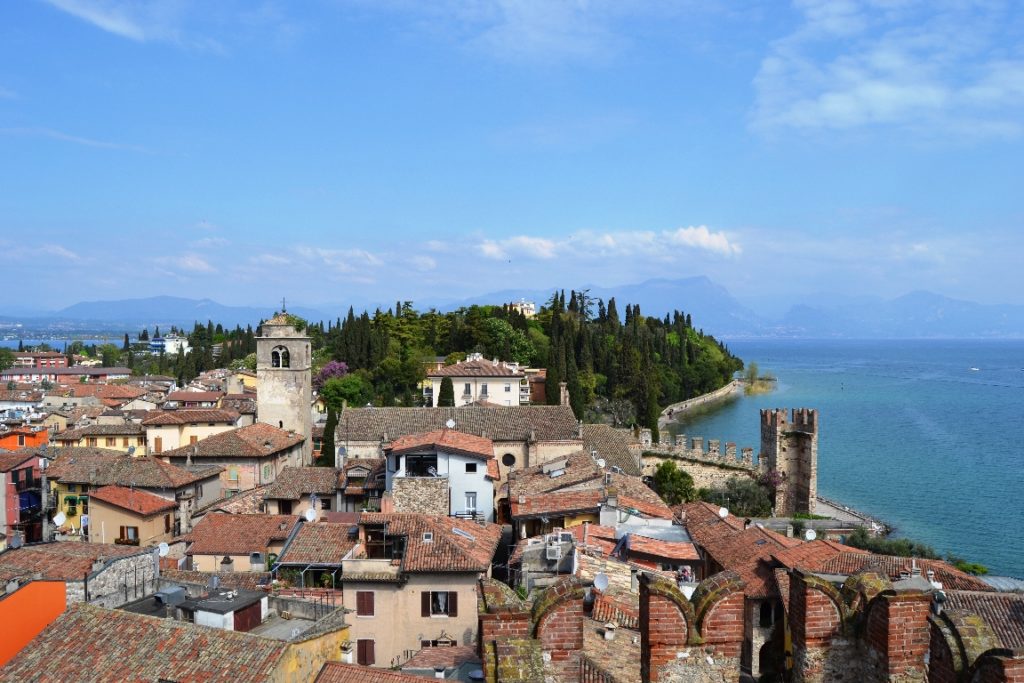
<point x="131" y="450"/>
<point x="163" y="549"/>
<point x="601" y="463"/>
<point x="310" y="515"/>
<point x="810" y="534"/>
<point x="450" y="424"/>
<point x="59" y="519"/>
<point x="601" y="581"/>
<point x="723" y="512"/>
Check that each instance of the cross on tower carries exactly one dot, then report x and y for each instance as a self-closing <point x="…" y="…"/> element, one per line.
<point x="284" y="309"/>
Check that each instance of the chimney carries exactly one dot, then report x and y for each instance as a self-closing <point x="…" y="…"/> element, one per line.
<point x="563" y="393"/>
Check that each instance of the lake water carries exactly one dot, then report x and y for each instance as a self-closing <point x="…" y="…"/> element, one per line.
<point x="925" y="435"/>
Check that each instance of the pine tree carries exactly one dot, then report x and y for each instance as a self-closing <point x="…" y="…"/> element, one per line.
<point x="127" y="346"/>
<point x="327" y="452"/>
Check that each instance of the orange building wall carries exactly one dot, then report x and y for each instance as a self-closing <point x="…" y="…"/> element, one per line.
<point x="9" y="441"/>
<point x="26" y="612"/>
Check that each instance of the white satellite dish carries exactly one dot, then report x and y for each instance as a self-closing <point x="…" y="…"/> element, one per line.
<point x="450" y="424"/>
<point x="601" y="463"/>
<point x="601" y="581"/>
<point x="810" y="534"/>
<point x="723" y="512"/>
<point x="163" y="549"/>
<point x="310" y="515"/>
<point x="59" y="519"/>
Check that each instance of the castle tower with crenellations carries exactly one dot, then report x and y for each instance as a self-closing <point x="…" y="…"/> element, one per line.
<point x="790" y="448"/>
<point x="284" y="392"/>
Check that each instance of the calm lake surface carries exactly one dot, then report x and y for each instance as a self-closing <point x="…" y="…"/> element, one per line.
<point x="925" y="435"/>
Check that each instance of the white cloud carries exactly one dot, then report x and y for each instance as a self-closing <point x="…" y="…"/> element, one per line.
<point x="423" y="263"/>
<point x="60" y="252"/>
<point x="341" y="261"/>
<point x="76" y="139"/>
<point x="140" y="20"/>
<point x="935" y="67"/>
<point x="210" y="243"/>
<point x="662" y="245"/>
<point x="189" y="262"/>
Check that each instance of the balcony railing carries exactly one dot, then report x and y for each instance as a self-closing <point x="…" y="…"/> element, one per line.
<point x="126" y="541"/>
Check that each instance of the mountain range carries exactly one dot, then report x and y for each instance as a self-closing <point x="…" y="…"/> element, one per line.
<point x="712" y="307"/>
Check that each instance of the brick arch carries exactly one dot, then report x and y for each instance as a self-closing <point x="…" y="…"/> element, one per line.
<point x="710" y="592"/>
<point x="558" y="624"/>
<point x="997" y="665"/>
<point x="674" y="611"/>
<point x="861" y="588"/>
<point x="958" y="642"/>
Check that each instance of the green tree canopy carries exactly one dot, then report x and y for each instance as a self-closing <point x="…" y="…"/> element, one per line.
<point x="743" y="497"/>
<point x="446" y="395"/>
<point x="673" y="484"/>
<point x="353" y="389"/>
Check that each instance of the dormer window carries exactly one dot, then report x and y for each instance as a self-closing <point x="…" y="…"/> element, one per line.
<point x="428" y="536"/>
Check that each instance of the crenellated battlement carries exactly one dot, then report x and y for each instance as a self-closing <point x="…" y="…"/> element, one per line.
<point x="789" y="446"/>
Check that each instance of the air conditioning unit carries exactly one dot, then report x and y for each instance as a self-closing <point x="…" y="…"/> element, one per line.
<point x="553" y="552"/>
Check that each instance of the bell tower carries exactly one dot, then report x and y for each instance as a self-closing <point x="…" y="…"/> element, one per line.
<point x="284" y="394"/>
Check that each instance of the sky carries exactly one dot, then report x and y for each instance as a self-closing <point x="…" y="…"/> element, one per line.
<point x="338" y="150"/>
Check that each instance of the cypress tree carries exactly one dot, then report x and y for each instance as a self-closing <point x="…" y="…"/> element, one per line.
<point x="327" y="453"/>
<point x="127" y="346"/>
<point x="446" y="395"/>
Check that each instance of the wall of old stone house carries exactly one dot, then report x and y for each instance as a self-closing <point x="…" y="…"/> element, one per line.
<point x="123" y="580"/>
<point x="284" y="394"/>
<point x="790" y="447"/>
<point x="428" y="495"/>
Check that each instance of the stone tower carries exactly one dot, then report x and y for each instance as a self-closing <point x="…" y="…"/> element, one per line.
<point x="791" y="449"/>
<point x="284" y="393"/>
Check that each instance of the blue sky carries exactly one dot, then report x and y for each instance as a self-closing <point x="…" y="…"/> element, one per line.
<point x="335" y="150"/>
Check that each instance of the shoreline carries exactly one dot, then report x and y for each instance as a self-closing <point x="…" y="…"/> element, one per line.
<point x="670" y="412"/>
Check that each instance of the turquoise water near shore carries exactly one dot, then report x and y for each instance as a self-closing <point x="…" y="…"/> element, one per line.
<point x="910" y="433"/>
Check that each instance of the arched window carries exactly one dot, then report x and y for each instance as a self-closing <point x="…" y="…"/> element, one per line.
<point x="275" y="359"/>
<point x="285" y="359"/>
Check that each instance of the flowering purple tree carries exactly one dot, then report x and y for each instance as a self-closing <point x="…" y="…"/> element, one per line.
<point x="333" y="369"/>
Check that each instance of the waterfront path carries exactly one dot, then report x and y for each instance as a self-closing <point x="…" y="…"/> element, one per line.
<point x="670" y="413"/>
<point x="838" y="511"/>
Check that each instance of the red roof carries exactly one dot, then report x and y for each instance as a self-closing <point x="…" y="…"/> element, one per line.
<point x="194" y="396"/>
<point x="177" y="417"/>
<point x="469" y="549"/>
<point x="223" y="534"/>
<point x="134" y="500"/>
<point x="477" y="368"/>
<point x="333" y="672"/>
<point x="447" y="440"/>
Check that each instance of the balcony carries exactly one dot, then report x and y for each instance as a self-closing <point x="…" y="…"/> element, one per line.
<point x="126" y="541"/>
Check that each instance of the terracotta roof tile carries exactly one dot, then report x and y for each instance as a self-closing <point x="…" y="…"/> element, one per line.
<point x="189" y="416"/>
<point x="477" y="368"/>
<point x="1003" y="612"/>
<point x="250" y="581"/>
<point x="294" y="482"/>
<point x="470" y="549"/>
<point x="616" y="447"/>
<point x="813" y="554"/>
<point x="127" y="429"/>
<point x="194" y="396"/>
<point x="99" y="467"/>
<point x="252" y="441"/>
<point x="89" y="643"/>
<point x="334" y="672"/>
<point x="748" y="553"/>
<point x="10" y="460"/>
<point x="514" y="423"/>
<point x="448" y="440"/>
<point x="222" y="534"/>
<point x="60" y="560"/>
<point x="447" y="657"/>
<point x="246" y="502"/>
<point x="846" y="563"/>
<point x="319" y="543"/>
<point x="133" y="500"/>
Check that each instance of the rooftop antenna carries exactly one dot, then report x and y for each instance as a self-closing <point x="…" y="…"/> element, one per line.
<point x="284" y="309"/>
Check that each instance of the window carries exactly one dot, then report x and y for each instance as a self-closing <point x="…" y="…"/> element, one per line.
<point x="72" y="488"/>
<point x="364" y="652"/>
<point x="325" y="504"/>
<point x="483" y="389"/>
<point x="439" y="604"/>
<point x="508" y="387"/>
<point x="470" y="501"/>
<point x="233" y="473"/>
<point x="111" y="441"/>
<point x="167" y="524"/>
<point x="285" y="359"/>
<point x="141" y="441"/>
<point x="193" y="439"/>
<point x="471" y="467"/>
<point x="266" y="471"/>
<point x="275" y="358"/>
<point x="284" y="507"/>
<point x="91" y="441"/>
<point x="508" y="460"/>
<point x="467" y="390"/>
<point x="124" y="442"/>
<point x="21" y="439"/>
<point x="364" y="603"/>
<point x="129" y="533"/>
<point x="421" y="465"/>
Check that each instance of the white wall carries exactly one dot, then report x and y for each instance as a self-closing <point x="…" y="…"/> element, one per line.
<point x="221" y="621"/>
<point x="453" y="466"/>
<point x="495" y="390"/>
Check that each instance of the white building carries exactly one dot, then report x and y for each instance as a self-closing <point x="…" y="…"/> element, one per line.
<point x="465" y="461"/>
<point x="478" y="379"/>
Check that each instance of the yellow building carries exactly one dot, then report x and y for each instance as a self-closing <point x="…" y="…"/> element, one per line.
<point x="126" y="438"/>
<point x="129" y="516"/>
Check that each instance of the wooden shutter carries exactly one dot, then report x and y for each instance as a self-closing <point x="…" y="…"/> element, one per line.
<point x="364" y="603"/>
<point x="453" y="604"/>
<point x="425" y="604"/>
<point x="364" y="652"/>
<point x="124" y="532"/>
<point x="167" y="524"/>
<point x="158" y="444"/>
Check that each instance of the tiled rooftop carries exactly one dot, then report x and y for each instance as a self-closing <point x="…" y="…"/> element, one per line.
<point x="250" y="581"/>
<point x="447" y="657"/>
<point x="477" y="368"/>
<point x="294" y="482"/>
<point x="89" y="643"/>
<point x="194" y="396"/>
<point x="134" y="500"/>
<point x="1003" y="612"/>
<point x="615" y="446"/>
<point x="447" y="440"/>
<point x="320" y="543"/>
<point x="515" y="423"/>
<point x="333" y="672"/>
<point x="190" y="416"/>
<point x="950" y="577"/>
<point x="252" y="441"/>
<point x="60" y="560"/>
<point x="99" y="467"/>
<point x="126" y="429"/>
<point x="10" y="460"/>
<point x="222" y="534"/>
<point x="470" y="549"/>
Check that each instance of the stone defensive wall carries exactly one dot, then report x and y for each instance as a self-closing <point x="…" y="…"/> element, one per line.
<point x="709" y="467"/>
<point x="682" y="407"/>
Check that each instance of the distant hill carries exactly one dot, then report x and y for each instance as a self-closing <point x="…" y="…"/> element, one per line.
<point x="713" y="308"/>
